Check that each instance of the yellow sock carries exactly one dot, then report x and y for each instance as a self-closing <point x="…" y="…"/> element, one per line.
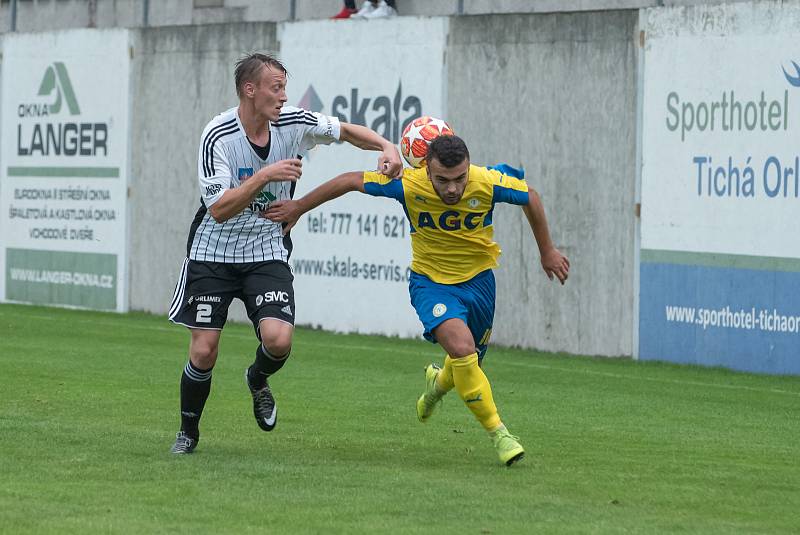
<point x="473" y="387"/>
<point x="444" y="380"/>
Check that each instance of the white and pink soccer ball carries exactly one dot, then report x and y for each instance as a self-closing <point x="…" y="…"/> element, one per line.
<point x="418" y="134"/>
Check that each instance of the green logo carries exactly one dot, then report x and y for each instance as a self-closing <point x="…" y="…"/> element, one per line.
<point x="57" y="80"/>
<point x="262" y="201"/>
<point x="265" y="197"/>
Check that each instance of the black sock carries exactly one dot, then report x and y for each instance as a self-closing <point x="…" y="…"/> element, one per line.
<point x="264" y="366"/>
<point x="195" y="387"/>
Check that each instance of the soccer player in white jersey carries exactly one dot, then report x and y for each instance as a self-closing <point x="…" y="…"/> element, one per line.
<point x="249" y="156"/>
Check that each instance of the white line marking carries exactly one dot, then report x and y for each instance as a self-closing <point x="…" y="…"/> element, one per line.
<point x="394" y="350"/>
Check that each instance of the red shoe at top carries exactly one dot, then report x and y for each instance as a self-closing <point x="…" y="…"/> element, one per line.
<point x="344" y="13"/>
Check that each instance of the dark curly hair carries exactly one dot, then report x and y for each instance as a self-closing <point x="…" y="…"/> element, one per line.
<point x="448" y="150"/>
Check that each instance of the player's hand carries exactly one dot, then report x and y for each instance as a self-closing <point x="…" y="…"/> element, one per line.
<point x="287" y="212"/>
<point x="389" y="163"/>
<point x="555" y="265"/>
<point x="290" y="169"/>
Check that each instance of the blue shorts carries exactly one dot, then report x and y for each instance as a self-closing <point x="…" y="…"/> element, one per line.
<point x="471" y="301"/>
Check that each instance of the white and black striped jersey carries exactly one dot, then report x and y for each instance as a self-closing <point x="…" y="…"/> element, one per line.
<point x="226" y="159"/>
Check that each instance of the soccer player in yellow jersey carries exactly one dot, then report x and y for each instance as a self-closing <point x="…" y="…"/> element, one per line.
<point x="449" y="204"/>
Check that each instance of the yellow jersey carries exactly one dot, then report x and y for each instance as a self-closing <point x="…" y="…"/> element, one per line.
<point x="450" y="243"/>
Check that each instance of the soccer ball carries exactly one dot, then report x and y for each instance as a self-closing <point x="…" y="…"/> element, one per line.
<point x="418" y="134"/>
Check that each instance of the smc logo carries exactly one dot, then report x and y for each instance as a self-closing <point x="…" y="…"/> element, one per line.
<point x="272" y="297"/>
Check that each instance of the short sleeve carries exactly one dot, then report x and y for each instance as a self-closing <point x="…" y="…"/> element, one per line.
<point x="319" y="129"/>
<point x="379" y="185"/>
<point x="508" y="184"/>
<point x="213" y="170"/>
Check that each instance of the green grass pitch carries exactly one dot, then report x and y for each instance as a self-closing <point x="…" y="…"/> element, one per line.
<point x="89" y="409"/>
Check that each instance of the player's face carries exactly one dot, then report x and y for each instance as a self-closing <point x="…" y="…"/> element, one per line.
<point x="449" y="183"/>
<point x="269" y="94"/>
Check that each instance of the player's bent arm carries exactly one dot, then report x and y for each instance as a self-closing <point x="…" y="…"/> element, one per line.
<point x="534" y="212"/>
<point x="234" y="200"/>
<point x="362" y="137"/>
<point x="332" y="189"/>
<point x="553" y="262"/>
<point x="290" y="211"/>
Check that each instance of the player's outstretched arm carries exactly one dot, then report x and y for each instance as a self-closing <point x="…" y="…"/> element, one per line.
<point x="234" y="200"/>
<point x="553" y="262"/>
<point x="389" y="163"/>
<point x="290" y="211"/>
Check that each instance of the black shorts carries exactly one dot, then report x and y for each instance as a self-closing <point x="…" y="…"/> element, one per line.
<point x="205" y="290"/>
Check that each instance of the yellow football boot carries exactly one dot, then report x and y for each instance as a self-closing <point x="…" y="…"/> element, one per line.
<point x="509" y="450"/>
<point x="426" y="403"/>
